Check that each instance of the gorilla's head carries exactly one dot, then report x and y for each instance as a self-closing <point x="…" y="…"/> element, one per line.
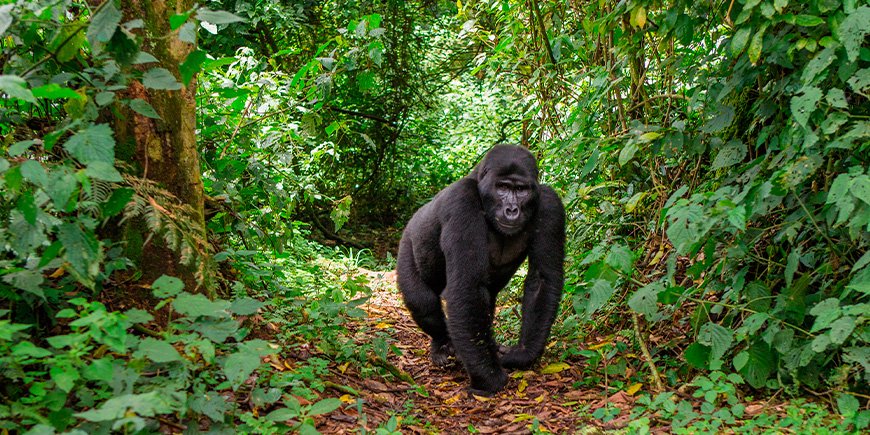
<point x="507" y="180"/>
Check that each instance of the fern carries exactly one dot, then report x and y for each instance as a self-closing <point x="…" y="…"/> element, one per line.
<point x="176" y="223"/>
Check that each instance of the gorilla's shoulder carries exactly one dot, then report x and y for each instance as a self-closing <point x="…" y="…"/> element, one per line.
<point x="459" y="192"/>
<point x="550" y="201"/>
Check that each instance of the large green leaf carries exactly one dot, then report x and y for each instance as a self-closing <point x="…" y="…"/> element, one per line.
<point x="196" y="305"/>
<point x="853" y="30"/>
<point x="730" y="154"/>
<point x="717" y="337"/>
<point x="104" y="23"/>
<point x="16" y="87"/>
<point x="238" y="366"/>
<point x="760" y="362"/>
<point x="644" y="299"/>
<point x="81" y="250"/>
<point x="158" y="351"/>
<point x="802" y="106"/>
<point x="93" y="144"/>
<point x="160" y="78"/>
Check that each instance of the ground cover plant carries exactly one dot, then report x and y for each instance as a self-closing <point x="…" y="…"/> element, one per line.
<point x="201" y="202"/>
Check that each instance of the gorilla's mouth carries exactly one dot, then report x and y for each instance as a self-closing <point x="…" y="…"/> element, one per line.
<point x="508" y="226"/>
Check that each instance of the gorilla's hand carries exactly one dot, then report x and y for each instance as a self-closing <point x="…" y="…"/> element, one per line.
<point x="516" y="357"/>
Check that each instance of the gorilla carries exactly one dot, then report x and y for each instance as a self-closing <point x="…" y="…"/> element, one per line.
<point x="465" y="245"/>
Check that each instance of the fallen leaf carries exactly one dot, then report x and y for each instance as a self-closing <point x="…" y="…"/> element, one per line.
<point x="633" y="389"/>
<point x="522" y="417"/>
<point x="452" y="400"/>
<point x="522" y="386"/>
<point x="554" y="368"/>
<point x="598" y="346"/>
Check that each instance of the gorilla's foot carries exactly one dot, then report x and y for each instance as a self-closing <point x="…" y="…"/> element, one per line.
<point x="488" y="386"/>
<point x="441" y="353"/>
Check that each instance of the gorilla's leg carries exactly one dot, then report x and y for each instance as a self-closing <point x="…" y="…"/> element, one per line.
<point x="425" y="306"/>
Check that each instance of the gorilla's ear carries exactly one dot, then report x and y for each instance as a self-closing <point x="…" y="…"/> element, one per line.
<point x="478" y="172"/>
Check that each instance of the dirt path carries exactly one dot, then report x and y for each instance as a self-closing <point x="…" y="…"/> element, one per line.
<point x="445" y="406"/>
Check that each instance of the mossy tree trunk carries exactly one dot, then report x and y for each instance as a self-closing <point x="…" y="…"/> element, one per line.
<point x="164" y="151"/>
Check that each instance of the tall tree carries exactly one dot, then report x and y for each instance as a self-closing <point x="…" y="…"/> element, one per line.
<point x="161" y="146"/>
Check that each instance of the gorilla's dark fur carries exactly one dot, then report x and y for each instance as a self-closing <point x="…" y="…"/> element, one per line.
<point x="466" y="244"/>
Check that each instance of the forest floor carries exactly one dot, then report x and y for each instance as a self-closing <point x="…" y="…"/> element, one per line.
<point x="442" y="404"/>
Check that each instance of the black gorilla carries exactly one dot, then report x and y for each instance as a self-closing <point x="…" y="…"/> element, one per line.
<point x="469" y="240"/>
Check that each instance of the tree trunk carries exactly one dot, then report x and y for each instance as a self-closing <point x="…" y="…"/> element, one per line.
<point x="163" y="151"/>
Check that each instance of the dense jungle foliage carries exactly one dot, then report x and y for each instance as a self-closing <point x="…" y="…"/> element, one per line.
<point x="191" y="195"/>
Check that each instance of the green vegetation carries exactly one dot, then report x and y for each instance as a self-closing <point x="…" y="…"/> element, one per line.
<point x="193" y="197"/>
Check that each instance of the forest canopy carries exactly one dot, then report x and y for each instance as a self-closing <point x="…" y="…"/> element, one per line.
<point x="201" y="203"/>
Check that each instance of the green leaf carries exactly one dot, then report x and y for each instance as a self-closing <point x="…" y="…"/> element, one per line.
<point x="620" y="258"/>
<point x="644" y="299"/>
<point x="599" y="294"/>
<point x="81" y="250"/>
<point x="818" y="64"/>
<point x="143" y="108"/>
<point x="26" y="348"/>
<point x="697" y="355"/>
<point x="217" y="17"/>
<point x="841" y="329"/>
<point x="147" y="405"/>
<point x="847" y="404"/>
<point x="739" y="40"/>
<point x="5" y="17"/>
<point x="119" y="199"/>
<point x="759" y="364"/>
<point x="245" y="306"/>
<point x="160" y="78"/>
<point x="175" y="21"/>
<point x="104" y="98"/>
<point x="718" y="337"/>
<point x="282" y="414"/>
<point x="740" y="360"/>
<point x="324" y="406"/>
<point x="192" y="65"/>
<point x="756" y="44"/>
<point x="100" y="370"/>
<point x="837" y="98"/>
<point x="53" y="91"/>
<point x="60" y="187"/>
<point x="166" y="286"/>
<point x="104" y="23"/>
<point x="853" y="30"/>
<point x="802" y="106"/>
<point x="730" y="154"/>
<point x="103" y="171"/>
<point x="808" y="20"/>
<point x="16" y="87"/>
<point x="27" y="280"/>
<point x="861" y="188"/>
<point x="27" y="206"/>
<point x="199" y="305"/>
<point x="238" y="366"/>
<point x="64" y="376"/>
<point x="791" y="266"/>
<point x="627" y="153"/>
<point x="158" y="351"/>
<point x="33" y="171"/>
<point x="18" y="148"/>
<point x="216" y="330"/>
<point x="826" y="312"/>
<point x="93" y="144"/>
<point x="212" y="404"/>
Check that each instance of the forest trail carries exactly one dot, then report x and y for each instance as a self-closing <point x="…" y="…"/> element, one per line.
<point x="449" y="408"/>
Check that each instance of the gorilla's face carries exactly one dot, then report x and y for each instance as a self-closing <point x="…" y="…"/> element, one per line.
<point x="508" y="185"/>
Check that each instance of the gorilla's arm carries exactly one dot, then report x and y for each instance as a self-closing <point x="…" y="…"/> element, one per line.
<point x="469" y="319"/>
<point x="543" y="286"/>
